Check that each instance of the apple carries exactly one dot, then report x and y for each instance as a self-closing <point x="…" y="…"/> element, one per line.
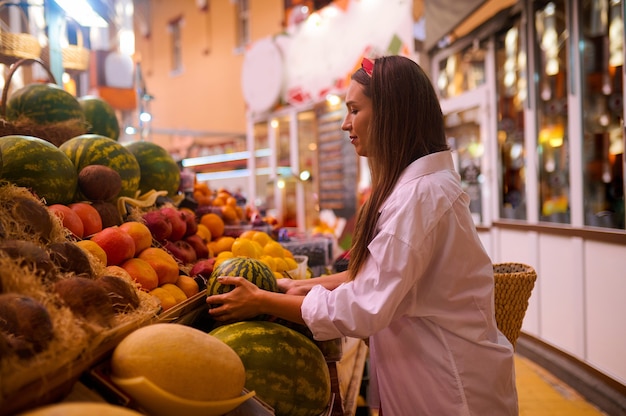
<point x="198" y="244"/>
<point x="190" y="219"/>
<point x="159" y="225"/>
<point x="179" y="225"/>
<point x="182" y="250"/>
<point x="203" y="267"/>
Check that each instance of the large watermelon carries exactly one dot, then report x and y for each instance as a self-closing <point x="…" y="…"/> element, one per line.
<point x="159" y="170"/>
<point x="34" y="163"/>
<point x="285" y="368"/>
<point x="42" y="104"/>
<point x="100" y="116"/>
<point x="93" y="149"/>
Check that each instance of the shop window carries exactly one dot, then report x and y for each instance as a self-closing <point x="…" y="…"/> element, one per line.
<point x="602" y="52"/>
<point x="511" y="87"/>
<point x="552" y="115"/>
<point x="175" y="28"/>
<point x="462" y="71"/>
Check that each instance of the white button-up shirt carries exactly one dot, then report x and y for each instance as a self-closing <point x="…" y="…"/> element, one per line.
<point x="424" y="298"/>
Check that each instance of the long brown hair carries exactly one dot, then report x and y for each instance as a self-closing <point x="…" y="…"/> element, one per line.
<point x="406" y="124"/>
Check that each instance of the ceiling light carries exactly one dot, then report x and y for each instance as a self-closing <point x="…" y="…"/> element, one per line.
<point x="82" y="12"/>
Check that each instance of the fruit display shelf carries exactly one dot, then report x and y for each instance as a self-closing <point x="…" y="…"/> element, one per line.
<point x="53" y="379"/>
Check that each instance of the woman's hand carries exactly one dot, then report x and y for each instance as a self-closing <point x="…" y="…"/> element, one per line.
<point x="238" y="304"/>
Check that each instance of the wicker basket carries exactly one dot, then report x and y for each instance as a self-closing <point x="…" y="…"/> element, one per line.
<point x="76" y="57"/>
<point x="16" y="46"/>
<point x="514" y="283"/>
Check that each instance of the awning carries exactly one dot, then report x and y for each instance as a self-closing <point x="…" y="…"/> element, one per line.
<point x="443" y="16"/>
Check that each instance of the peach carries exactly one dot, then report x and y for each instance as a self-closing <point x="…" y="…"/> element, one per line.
<point x="93" y="249"/>
<point x="90" y="217"/>
<point x="163" y="264"/>
<point x="188" y="285"/>
<point x="141" y="272"/>
<point x="140" y="233"/>
<point x="117" y="243"/>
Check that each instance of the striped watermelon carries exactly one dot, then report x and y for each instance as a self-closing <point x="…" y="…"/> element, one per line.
<point x="39" y="165"/>
<point x="100" y="116"/>
<point x="93" y="149"/>
<point x="285" y="368"/>
<point x="253" y="270"/>
<point x="42" y="104"/>
<point x="159" y="170"/>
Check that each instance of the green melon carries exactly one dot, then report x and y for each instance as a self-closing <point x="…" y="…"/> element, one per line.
<point x="285" y="368"/>
<point x="100" y="116"/>
<point x="39" y="165"/>
<point x="43" y="104"/>
<point x="158" y="168"/>
<point x="93" y="149"/>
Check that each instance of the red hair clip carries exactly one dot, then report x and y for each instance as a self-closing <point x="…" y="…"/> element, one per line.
<point x="368" y="66"/>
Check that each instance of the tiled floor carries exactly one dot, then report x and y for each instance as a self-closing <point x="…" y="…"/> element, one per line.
<point x="541" y="394"/>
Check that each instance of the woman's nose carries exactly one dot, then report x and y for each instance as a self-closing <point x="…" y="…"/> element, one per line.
<point x="346" y="124"/>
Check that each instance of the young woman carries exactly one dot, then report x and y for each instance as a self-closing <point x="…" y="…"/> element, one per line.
<point x="419" y="284"/>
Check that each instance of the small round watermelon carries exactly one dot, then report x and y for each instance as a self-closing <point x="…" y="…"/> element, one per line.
<point x="159" y="170"/>
<point x="100" y="116"/>
<point x="94" y="149"/>
<point x="285" y="368"/>
<point x="43" y="104"/>
<point x="39" y="165"/>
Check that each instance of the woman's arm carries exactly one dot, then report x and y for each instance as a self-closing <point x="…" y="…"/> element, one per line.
<point x="246" y="301"/>
<point x="302" y="287"/>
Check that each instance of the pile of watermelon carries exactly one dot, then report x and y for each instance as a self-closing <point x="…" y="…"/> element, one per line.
<point x="52" y="171"/>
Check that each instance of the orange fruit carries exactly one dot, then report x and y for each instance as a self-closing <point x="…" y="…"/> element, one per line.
<point x="231" y="201"/>
<point x="142" y="273"/>
<point x="165" y="297"/>
<point x="218" y="202"/>
<point x="214" y="223"/>
<point x="224" y="243"/>
<point x="90" y="217"/>
<point x="229" y="213"/>
<point x="163" y="264"/>
<point x="243" y="247"/>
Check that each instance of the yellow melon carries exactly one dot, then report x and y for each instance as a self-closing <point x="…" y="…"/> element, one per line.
<point x="181" y="360"/>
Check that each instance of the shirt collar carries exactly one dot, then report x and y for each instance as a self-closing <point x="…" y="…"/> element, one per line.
<point x="427" y="164"/>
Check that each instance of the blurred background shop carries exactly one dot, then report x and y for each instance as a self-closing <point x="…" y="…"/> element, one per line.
<point x="247" y="95"/>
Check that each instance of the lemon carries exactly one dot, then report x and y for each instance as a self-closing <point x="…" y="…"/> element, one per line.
<point x="274" y="249"/>
<point x="291" y="263"/>
<point x="281" y="264"/>
<point x="262" y="238"/>
<point x="244" y="248"/>
<point x="269" y="260"/>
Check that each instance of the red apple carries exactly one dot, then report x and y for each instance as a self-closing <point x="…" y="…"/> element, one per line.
<point x="159" y="225"/>
<point x="203" y="267"/>
<point x="182" y="250"/>
<point x="198" y="244"/>
<point x="179" y="225"/>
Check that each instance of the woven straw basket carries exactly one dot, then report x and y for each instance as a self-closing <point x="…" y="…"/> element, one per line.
<point x="76" y="56"/>
<point x="16" y="46"/>
<point x="514" y="283"/>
